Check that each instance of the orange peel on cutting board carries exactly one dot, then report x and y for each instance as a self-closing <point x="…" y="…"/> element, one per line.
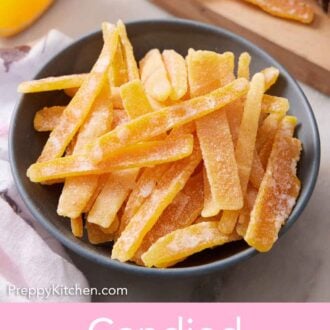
<point x="296" y="10"/>
<point x="16" y="15"/>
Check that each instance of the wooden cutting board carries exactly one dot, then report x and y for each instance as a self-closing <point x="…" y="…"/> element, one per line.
<point x="303" y="49"/>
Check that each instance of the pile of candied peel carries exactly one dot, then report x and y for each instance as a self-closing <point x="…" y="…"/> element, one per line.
<point x="169" y="157"/>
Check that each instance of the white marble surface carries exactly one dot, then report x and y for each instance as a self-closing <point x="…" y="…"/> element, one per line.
<point x="297" y="269"/>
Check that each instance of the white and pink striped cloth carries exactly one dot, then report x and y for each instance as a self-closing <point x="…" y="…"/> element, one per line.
<point x="29" y="256"/>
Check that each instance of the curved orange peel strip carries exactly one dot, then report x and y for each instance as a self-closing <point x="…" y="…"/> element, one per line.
<point x="182" y="243"/>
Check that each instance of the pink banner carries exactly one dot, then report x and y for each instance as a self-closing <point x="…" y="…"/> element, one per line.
<point x="154" y="316"/>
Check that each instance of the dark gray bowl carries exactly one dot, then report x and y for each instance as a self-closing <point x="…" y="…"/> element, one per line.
<point x="26" y="144"/>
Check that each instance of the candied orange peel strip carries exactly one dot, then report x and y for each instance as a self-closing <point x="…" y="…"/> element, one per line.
<point x="220" y="163"/>
<point x="181" y="213"/>
<point x="244" y="217"/>
<point x="208" y="71"/>
<point x="267" y="134"/>
<point x="234" y="112"/>
<point x="142" y="190"/>
<point x="268" y="129"/>
<point x="78" y="108"/>
<point x="246" y="141"/>
<point x="222" y="186"/>
<point x="100" y="184"/>
<point x="77" y="191"/>
<point x="117" y="73"/>
<point x="52" y="83"/>
<point x="158" y="122"/>
<point x="98" y="121"/>
<point x="47" y="118"/>
<point x="173" y="181"/>
<point x="184" y="242"/>
<point x="296" y="10"/>
<point x="257" y="171"/>
<point x="245" y="145"/>
<point x="140" y="155"/>
<point x="135" y="103"/>
<point x="154" y="76"/>
<point x="176" y="69"/>
<point x="132" y="68"/>
<point x="243" y="70"/>
<point x="111" y="198"/>
<point x="271" y="75"/>
<point x="275" y="104"/>
<point x="134" y="99"/>
<point x="278" y="191"/>
<point x="77" y="227"/>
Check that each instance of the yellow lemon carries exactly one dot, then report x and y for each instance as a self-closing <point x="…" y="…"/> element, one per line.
<point x="16" y="15"/>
